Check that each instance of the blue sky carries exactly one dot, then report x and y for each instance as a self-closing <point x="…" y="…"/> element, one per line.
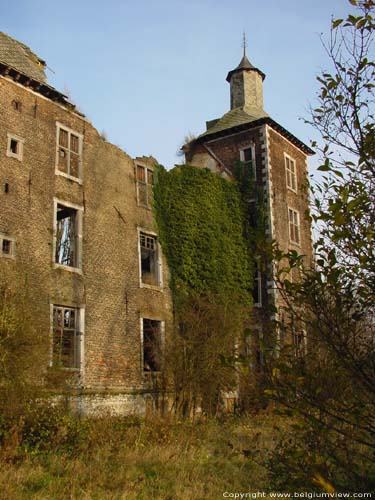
<point x="150" y="72"/>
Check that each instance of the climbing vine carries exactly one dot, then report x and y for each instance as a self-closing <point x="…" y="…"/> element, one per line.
<point x="201" y="224"/>
<point x="202" y="230"/>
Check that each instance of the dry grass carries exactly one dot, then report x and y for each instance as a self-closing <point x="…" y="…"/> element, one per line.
<point x="151" y="459"/>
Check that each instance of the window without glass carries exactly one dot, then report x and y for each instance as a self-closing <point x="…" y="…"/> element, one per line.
<point x="145" y="182"/>
<point x="152" y="345"/>
<point x="149" y="259"/>
<point x="291" y="173"/>
<point x="15" y="147"/>
<point x="294" y="227"/>
<point x="66" y="251"/>
<point x="7" y="246"/>
<point x="69" y="152"/>
<point x="66" y="337"/>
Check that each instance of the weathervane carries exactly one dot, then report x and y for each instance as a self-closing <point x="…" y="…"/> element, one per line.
<point x="244" y="43"/>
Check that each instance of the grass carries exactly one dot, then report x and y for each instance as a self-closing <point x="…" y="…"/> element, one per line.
<point x="138" y="459"/>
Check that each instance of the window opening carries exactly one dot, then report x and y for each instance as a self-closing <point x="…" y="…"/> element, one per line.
<point x="246" y="156"/>
<point x="149" y="259"/>
<point x="17" y="105"/>
<point x="66" y="236"/>
<point x="69" y="152"/>
<point x="152" y="345"/>
<point x="291" y="173"/>
<point x="294" y="228"/>
<point x="145" y="182"/>
<point x="7" y="246"/>
<point x="66" y="337"/>
<point x="15" y="147"/>
<point x="257" y="288"/>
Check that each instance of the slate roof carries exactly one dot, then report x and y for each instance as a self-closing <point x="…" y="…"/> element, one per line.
<point x="237" y="120"/>
<point x="233" y="118"/>
<point x="245" y="64"/>
<point x="19" y="57"/>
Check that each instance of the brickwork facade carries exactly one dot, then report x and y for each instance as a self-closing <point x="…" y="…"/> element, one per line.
<point x="104" y="286"/>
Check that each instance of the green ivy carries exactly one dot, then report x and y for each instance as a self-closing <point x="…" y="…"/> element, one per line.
<point x="201" y="226"/>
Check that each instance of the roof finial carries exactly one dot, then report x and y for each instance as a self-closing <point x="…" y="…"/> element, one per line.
<point x="244" y="43"/>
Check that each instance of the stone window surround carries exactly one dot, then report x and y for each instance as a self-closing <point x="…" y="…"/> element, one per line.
<point x="81" y="329"/>
<point x="20" y="142"/>
<point x="12" y="254"/>
<point x="79" y="229"/>
<point x="158" y="287"/>
<point x="60" y="126"/>
<point x="162" y="339"/>
<point x="289" y="173"/>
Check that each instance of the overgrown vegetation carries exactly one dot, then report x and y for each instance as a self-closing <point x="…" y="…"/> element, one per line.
<point x="50" y="454"/>
<point x="22" y="347"/>
<point x="201" y="226"/>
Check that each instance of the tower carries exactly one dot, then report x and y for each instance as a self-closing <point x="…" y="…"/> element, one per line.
<point x="246" y="88"/>
<point x="278" y="160"/>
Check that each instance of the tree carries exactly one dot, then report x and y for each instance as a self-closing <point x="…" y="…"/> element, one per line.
<point x="333" y="386"/>
<point x="23" y="350"/>
<point x="201" y="229"/>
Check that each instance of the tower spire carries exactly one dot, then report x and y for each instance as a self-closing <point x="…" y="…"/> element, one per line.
<point x="244" y="43"/>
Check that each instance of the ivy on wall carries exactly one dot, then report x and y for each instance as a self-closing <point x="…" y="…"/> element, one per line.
<point x="201" y="226"/>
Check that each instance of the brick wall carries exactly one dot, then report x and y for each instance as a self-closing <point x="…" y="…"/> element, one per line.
<point x="108" y="286"/>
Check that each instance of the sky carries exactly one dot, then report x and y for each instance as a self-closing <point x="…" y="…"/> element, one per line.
<point x="149" y="73"/>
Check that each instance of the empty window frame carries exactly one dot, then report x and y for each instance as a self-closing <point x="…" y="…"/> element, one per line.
<point x="149" y="259"/>
<point x="68" y="235"/>
<point x="66" y="337"/>
<point x="152" y="345"/>
<point x="247" y="157"/>
<point x="145" y="182"/>
<point x="15" y="147"/>
<point x="291" y="173"/>
<point x="257" y="288"/>
<point x="294" y="226"/>
<point x="68" y="152"/>
<point x="7" y="246"/>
